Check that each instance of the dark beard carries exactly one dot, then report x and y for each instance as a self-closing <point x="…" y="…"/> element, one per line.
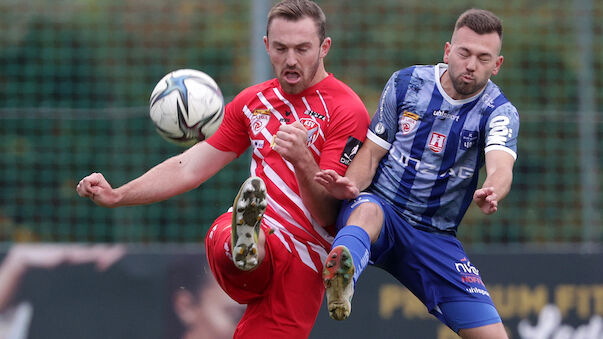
<point x="467" y="89"/>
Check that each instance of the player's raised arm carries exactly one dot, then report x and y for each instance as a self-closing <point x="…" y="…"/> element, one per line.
<point x="174" y="176"/>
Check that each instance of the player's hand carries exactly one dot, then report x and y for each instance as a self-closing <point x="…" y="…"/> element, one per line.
<point x="97" y="188"/>
<point x="291" y="143"/>
<point x="486" y="199"/>
<point x="338" y="186"/>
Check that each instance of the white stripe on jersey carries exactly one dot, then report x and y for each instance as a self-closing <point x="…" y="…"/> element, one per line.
<point x="296" y="199"/>
<point x="285" y="214"/>
<point x="324" y="105"/>
<point x="501" y="148"/>
<point x="304" y="254"/>
<point x="302" y="248"/>
<point x="268" y="105"/>
<point x="280" y="96"/>
<point x="320" y="250"/>
<point x="374" y="138"/>
<point x="277" y="230"/>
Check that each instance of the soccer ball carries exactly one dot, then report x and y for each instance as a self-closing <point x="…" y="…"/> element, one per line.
<point x="186" y="107"/>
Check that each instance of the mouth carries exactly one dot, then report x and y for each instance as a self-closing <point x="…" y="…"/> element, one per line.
<point x="467" y="78"/>
<point x="291" y="77"/>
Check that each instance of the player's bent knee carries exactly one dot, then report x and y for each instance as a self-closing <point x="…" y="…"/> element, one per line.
<point x="366" y="212"/>
<point x="369" y="216"/>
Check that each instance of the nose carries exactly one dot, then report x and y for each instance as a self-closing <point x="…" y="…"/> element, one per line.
<point x="291" y="59"/>
<point x="471" y="64"/>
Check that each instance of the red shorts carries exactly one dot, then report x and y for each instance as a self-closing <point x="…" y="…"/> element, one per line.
<point x="283" y="295"/>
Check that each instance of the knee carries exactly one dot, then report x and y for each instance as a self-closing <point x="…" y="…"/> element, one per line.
<point x="369" y="216"/>
<point x="366" y="212"/>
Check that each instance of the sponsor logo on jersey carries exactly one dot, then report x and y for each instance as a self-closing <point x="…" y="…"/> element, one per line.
<point x="258" y="144"/>
<point x="469" y="273"/>
<point x="499" y="131"/>
<point x="314" y="114"/>
<point x="464" y="266"/>
<point x="443" y="114"/>
<point x="437" y="142"/>
<point x="350" y="150"/>
<point x="313" y="129"/>
<point x="468" y="139"/>
<point x="259" y="120"/>
<point x="427" y="168"/>
<point x="408" y="122"/>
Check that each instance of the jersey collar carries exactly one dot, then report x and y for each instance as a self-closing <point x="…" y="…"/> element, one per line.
<point x="439" y="69"/>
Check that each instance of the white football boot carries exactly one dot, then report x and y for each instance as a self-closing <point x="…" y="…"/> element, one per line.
<point x="248" y="209"/>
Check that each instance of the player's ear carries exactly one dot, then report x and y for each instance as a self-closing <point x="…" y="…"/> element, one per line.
<point x="447" y="47"/>
<point x="266" y="42"/>
<point x="325" y="47"/>
<point x="499" y="62"/>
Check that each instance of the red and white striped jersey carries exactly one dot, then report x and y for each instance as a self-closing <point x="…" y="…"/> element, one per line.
<point x="336" y="120"/>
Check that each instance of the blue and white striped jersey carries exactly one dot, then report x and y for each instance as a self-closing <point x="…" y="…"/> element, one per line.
<point x="436" y="145"/>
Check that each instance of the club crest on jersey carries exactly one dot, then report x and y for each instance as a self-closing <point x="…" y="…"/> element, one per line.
<point x="312" y="127"/>
<point x="259" y="120"/>
<point x="437" y="142"/>
<point x="408" y="122"/>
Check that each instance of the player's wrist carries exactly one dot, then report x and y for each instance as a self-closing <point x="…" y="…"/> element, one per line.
<point x="114" y="199"/>
<point x="305" y="162"/>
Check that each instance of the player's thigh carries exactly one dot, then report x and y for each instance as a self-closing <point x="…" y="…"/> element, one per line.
<point x="472" y="319"/>
<point x="492" y="331"/>
<point x="242" y="286"/>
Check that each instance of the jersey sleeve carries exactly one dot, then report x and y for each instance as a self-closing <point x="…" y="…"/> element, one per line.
<point x="502" y="130"/>
<point x="232" y="135"/>
<point x="384" y="125"/>
<point x="346" y="133"/>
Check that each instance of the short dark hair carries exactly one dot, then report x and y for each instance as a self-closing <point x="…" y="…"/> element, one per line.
<point x="480" y="21"/>
<point x="297" y="9"/>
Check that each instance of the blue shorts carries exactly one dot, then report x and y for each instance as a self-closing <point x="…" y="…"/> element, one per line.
<point x="433" y="266"/>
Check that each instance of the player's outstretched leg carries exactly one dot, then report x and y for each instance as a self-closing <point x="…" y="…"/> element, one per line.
<point x="248" y="209"/>
<point x="338" y="277"/>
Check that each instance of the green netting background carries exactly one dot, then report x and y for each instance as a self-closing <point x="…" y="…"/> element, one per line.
<point x="75" y="78"/>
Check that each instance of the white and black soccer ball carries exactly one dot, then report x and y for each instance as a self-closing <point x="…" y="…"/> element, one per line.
<point x="186" y="106"/>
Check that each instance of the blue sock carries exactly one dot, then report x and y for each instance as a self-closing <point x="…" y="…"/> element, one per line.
<point x="358" y="243"/>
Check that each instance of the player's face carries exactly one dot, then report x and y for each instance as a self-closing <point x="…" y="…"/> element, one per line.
<point x="472" y="59"/>
<point x="296" y="54"/>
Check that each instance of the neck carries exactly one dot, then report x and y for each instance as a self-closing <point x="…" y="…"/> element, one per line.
<point x="448" y="87"/>
<point x="320" y="75"/>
